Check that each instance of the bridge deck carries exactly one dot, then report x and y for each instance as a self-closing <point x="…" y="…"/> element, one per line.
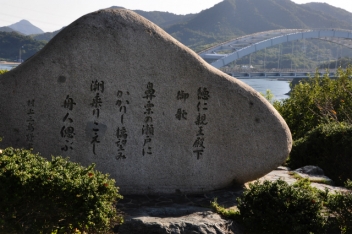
<point x="229" y="51"/>
<point x="264" y="75"/>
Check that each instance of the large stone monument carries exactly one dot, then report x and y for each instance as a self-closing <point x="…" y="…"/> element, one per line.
<point x="114" y="89"/>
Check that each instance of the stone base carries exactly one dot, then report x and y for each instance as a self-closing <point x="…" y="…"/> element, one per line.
<point x="178" y="213"/>
<point x="176" y="220"/>
<point x="191" y="213"/>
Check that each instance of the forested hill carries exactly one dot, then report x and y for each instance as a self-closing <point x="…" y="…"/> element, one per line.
<point x="165" y="19"/>
<point x="160" y="18"/>
<point x="6" y="29"/>
<point x="231" y="18"/>
<point x="12" y="42"/>
<point x="45" y="36"/>
<point x="326" y="9"/>
<point x="234" y="18"/>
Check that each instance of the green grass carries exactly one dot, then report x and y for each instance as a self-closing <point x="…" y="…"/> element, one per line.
<point x="227" y="213"/>
<point x="320" y="181"/>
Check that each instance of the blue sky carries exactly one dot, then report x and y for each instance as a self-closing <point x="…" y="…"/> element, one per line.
<point x="51" y="15"/>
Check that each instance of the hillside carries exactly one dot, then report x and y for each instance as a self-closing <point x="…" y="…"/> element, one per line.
<point x="231" y="18"/>
<point x="46" y="37"/>
<point x="12" y="42"/>
<point x="25" y="27"/>
<point x="160" y="18"/>
<point x="6" y="29"/>
<point x="165" y="19"/>
<point x="327" y="10"/>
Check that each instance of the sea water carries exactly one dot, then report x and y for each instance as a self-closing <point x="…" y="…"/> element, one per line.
<point x="279" y="88"/>
<point x="7" y="66"/>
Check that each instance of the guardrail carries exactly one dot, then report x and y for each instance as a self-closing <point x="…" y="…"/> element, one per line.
<point x="263" y="75"/>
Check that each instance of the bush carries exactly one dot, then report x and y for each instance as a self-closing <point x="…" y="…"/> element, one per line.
<point x="227" y="213"/>
<point x="268" y="95"/>
<point x="328" y="146"/>
<point x="2" y="71"/>
<point x="58" y="196"/>
<point x="276" y="207"/>
<point x="318" y="100"/>
<point x="348" y="184"/>
<point x="340" y="208"/>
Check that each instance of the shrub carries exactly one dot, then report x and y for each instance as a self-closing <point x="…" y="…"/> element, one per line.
<point x="328" y="146"/>
<point x="340" y="208"/>
<point x="348" y="184"/>
<point x="268" y="95"/>
<point x="276" y="207"/>
<point x="316" y="101"/>
<point x="227" y="213"/>
<point x="58" y="196"/>
<point x="2" y="71"/>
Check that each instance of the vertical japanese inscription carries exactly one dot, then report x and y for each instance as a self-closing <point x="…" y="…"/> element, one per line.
<point x="121" y="132"/>
<point x="148" y="128"/>
<point x="96" y="87"/>
<point x="201" y="121"/>
<point x="30" y="123"/>
<point x="181" y="114"/>
<point x="67" y="131"/>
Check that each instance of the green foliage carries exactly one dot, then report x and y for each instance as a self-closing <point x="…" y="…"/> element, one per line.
<point x="268" y="96"/>
<point x="58" y="196"/>
<point x="276" y="207"/>
<point x="312" y="180"/>
<point x="348" y="184"/>
<point x="2" y="71"/>
<point x="316" y="101"/>
<point x="44" y="37"/>
<point x="340" y="208"/>
<point x="12" y="42"/>
<point x="164" y="19"/>
<point x="328" y="146"/>
<point x="228" y="213"/>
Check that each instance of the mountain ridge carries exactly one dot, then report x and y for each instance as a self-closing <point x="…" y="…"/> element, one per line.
<point x="335" y="12"/>
<point x="25" y="27"/>
<point x="233" y="18"/>
<point x="6" y="29"/>
<point x="160" y="18"/>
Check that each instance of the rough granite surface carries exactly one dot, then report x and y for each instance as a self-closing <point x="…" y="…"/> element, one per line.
<point x="114" y="89"/>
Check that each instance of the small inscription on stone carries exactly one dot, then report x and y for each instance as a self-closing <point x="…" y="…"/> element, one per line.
<point x="148" y="127"/>
<point x="202" y="108"/>
<point x="30" y="123"/>
<point x="97" y="88"/>
<point x="67" y="131"/>
<point x="181" y="113"/>
<point x="121" y="133"/>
